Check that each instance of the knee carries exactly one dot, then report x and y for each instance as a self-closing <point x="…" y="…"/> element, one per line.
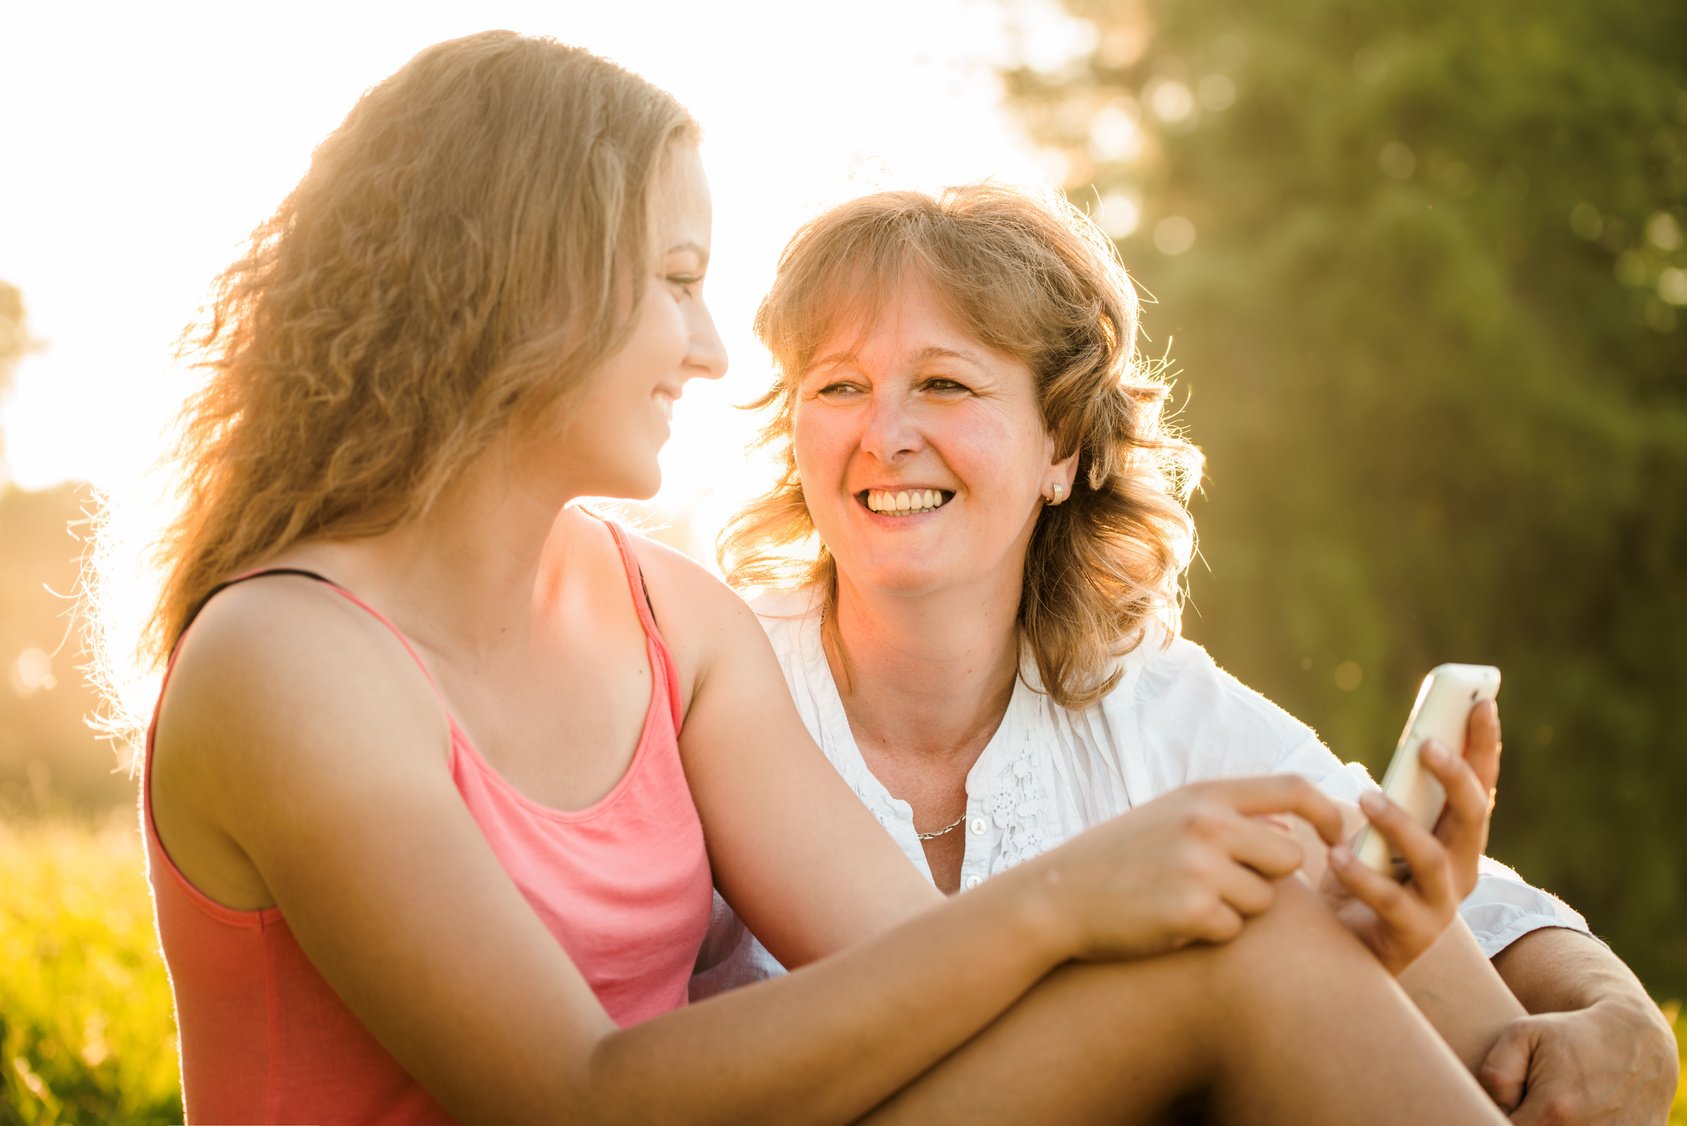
<point x="1296" y="943"/>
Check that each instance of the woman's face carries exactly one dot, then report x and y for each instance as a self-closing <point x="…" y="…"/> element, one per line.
<point x="923" y="454"/>
<point x="609" y="444"/>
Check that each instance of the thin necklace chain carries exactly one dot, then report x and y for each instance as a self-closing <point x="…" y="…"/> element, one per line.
<point x="949" y="828"/>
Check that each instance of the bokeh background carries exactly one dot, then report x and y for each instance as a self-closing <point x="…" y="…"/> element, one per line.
<point x="1419" y="270"/>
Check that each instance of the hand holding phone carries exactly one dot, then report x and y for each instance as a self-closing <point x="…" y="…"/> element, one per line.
<point x="1441" y="713"/>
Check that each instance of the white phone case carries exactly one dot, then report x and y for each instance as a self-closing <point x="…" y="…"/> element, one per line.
<point x="1441" y="712"/>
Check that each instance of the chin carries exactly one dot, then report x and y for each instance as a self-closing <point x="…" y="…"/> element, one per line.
<point x="902" y="579"/>
<point x="631" y="487"/>
<point x="641" y="490"/>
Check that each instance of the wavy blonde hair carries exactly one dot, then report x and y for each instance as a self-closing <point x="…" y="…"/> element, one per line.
<point x="469" y="244"/>
<point x="1033" y="278"/>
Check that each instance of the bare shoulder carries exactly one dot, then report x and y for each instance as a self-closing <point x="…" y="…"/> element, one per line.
<point x="708" y="629"/>
<point x="282" y="689"/>
<point x="693" y="607"/>
<point x="285" y="654"/>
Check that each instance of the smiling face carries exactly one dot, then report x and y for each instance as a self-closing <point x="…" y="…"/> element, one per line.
<point x="614" y="431"/>
<point x="923" y="454"/>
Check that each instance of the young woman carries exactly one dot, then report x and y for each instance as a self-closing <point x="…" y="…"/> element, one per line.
<point x="442" y="763"/>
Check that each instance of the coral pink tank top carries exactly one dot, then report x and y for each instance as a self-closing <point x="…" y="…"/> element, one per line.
<point x="624" y="886"/>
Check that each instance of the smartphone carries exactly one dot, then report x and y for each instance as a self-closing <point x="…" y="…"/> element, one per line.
<point x="1441" y="712"/>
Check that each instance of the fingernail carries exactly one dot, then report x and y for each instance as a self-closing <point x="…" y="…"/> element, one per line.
<point x="1341" y="856"/>
<point x="1433" y="753"/>
<point x="1372" y="802"/>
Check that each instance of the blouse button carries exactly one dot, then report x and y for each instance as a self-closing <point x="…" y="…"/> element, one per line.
<point x="978" y="826"/>
<point x="973" y="881"/>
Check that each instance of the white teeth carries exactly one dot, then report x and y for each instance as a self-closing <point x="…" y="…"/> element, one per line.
<point x="906" y="501"/>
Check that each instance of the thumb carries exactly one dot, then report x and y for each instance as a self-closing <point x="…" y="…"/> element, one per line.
<point x="1505" y="1070"/>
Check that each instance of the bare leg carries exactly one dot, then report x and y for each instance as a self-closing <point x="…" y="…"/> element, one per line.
<point x="1292" y="1022"/>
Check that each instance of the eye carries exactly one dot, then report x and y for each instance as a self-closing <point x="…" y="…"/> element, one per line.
<point x="688" y="284"/>
<point x="943" y="385"/>
<point x="837" y="389"/>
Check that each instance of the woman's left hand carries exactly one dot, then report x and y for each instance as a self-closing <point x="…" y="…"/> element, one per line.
<point x="1399" y="920"/>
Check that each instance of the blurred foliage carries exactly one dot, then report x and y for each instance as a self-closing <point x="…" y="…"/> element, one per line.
<point x="86" y="1033"/>
<point x="1421" y="273"/>
<point x="50" y="761"/>
<point x="14" y="340"/>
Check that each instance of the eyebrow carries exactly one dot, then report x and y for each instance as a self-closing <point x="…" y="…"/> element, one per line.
<point x="924" y="355"/>
<point x="695" y="247"/>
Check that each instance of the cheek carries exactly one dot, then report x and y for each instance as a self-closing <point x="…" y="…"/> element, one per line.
<point x="815" y="447"/>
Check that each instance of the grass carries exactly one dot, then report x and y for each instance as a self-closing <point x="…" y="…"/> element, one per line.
<point x="86" y="1030"/>
<point x="1677" y="1018"/>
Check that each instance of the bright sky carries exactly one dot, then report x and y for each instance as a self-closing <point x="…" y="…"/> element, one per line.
<point x="144" y="143"/>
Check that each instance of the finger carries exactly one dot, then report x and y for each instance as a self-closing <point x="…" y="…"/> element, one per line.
<point x="1220" y="922"/>
<point x="1246" y="891"/>
<point x="1263" y="848"/>
<point x="1463" y="826"/>
<point x="1409" y="924"/>
<point x="1505" y="1070"/>
<point x="1425" y="856"/>
<point x="1281" y="793"/>
<point x="1482" y="743"/>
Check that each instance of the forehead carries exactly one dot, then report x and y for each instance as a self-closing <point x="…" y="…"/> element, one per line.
<point x="681" y="208"/>
<point x="908" y="310"/>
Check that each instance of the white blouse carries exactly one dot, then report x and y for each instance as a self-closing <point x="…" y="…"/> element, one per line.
<point x="1048" y="772"/>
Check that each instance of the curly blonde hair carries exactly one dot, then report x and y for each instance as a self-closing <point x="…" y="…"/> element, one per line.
<point x="1033" y="278"/>
<point x="468" y="244"/>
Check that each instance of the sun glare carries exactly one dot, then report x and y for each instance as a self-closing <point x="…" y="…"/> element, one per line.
<point x="141" y="159"/>
<point x="150" y="151"/>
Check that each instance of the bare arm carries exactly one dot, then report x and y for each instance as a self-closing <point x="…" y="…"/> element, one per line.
<point x="1597" y="1050"/>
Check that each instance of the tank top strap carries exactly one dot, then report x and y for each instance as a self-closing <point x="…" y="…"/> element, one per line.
<point x="647" y="616"/>
<point x="261" y="572"/>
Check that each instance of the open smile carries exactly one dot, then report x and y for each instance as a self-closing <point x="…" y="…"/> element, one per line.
<point x="903" y="502"/>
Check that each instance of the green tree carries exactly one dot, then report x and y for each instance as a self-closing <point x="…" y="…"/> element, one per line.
<point x="1422" y="272"/>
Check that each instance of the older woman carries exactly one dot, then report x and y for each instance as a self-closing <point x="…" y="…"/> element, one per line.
<point x="979" y="535"/>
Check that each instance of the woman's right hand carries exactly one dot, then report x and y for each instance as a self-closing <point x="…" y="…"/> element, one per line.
<point x="1400" y="920"/>
<point x="1193" y="865"/>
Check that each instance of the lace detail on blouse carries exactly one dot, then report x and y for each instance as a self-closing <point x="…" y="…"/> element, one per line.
<point x="1016" y="803"/>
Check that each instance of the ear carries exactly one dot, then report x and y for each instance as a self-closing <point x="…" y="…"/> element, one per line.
<point x="1062" y="471"/>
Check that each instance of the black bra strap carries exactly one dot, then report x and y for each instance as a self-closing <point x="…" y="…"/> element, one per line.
<point x="258" y="574"/>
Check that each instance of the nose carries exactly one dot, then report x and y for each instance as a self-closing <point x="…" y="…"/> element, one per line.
<point x="888" y="430"/>
<point x="706" y="355"/>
